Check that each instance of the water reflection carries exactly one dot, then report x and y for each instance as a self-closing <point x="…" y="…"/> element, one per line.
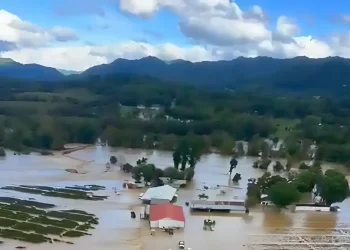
<point x="274" y="220"/>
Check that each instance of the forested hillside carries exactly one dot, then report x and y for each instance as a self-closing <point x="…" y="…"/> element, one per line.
<point x="10" y="68"/>
<point x="300" y="75"/>
<point x="144" y="112"/>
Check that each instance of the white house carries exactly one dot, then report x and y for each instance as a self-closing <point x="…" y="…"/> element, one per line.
<point x="166" y="216"/>
<point x="165" y="193"/>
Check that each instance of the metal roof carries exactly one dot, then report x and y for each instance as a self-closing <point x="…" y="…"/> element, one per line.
<point x="163" y="211"/>
<point x="163" y="192"/>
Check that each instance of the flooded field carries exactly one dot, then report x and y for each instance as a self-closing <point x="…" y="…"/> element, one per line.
<point x="116" y="230"/>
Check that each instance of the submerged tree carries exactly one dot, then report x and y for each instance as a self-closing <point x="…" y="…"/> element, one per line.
<point x="305" y="181"/>
<point x="177" y="158"/>
<point x="266" y="181"/>
<point x="186" y="154"/>
<point x="143" y="160"/>
<point x="127" y="168"/>
<point x="237" y="177"/>
<point x="283" y="194"/>
<point x="136" y="173"/>
<point x="333" y="187"/>
<point x="278" y="167"/>
<point x="2" y="152"/>
<point x="233" y="164"/>
<point x="113" y="159"/>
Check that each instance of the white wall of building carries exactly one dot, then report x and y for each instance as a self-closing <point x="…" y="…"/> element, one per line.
<point x="307" y="208"/>
<point x="167" y="222"/>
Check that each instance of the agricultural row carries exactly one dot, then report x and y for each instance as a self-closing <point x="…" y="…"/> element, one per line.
<point x="75" y="192"/>
<point x="28" y="221"/>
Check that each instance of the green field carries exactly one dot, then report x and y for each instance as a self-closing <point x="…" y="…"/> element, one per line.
<point x="59" y="95"/>
<point x="56" y="192"/>
<point x="282" y="124"/>
<point x="27" y="223"/>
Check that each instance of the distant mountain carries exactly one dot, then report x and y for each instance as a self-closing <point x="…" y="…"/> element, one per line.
<point x="10" y="68"/>
<point x="298" y="73"/>
<point x="69" y="72"/>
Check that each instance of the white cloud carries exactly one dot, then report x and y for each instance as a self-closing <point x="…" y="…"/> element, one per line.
<point x="287" y="27"/>
<point x="222" y="24"/>
<point x="24" y="34"/>
<point x="81" y="58"/>
<point x="144" y="8"/>
<point x="218" y="29"/>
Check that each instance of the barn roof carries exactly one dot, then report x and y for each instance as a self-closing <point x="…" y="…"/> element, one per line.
<point x="163" y="192"/>
<point x="162" y="211"/>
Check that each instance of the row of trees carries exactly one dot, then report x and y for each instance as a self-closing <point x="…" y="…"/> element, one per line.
<point x="328" y="187"/>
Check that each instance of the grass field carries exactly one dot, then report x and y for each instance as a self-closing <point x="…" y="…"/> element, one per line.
<point x="282" y="124"/>
<point x="59" y="96"/>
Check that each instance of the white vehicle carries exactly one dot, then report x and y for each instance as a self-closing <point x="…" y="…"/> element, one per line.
<point x="176" y="195"/>
<point x="181" y="245"/>
<point x="140" y="196"/>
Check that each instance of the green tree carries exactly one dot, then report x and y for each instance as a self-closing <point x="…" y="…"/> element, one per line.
<point x="333" y="187"/>
<point x="267" y="180"/>
<point x="2" y="135"/>
<point x="239" y="149"/>
<point x="305" y="181"/>
<point x="255" y="146"/>
<point x="289" y="163"/>
<point x="233" y="164"/>
<point x="189" y="174"/>
<point x="283" y="194"/>
<point x="303" y="166"/>
<point x="86" y="133"/>
<point x="278" y="167"/>
<point x="113" y="159"/>
<point x="2" y="152"/>
<point x="136" y="173"/>
<point x="237" y="177"/>
<point x="148" y="172"/>
<point x="177" y="158"/>
<point x="170" y="172"/>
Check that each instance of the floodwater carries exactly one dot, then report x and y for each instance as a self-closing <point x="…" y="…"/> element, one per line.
<point x="118" y="231"/>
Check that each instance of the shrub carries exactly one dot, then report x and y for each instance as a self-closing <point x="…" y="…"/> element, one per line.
<point x="2" y="152"/>
<point x="127" y="168"/>
<point x="189" y="174"/>
<point x="170" y="172"/>
<point x="303" y="166"/>
<point x="113" y="159"/>
<point x="237" y="177"/>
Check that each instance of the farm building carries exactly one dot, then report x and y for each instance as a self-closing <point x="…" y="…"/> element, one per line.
<point x="166" y="216"/>
<point x="313" y="207"/>
<point x="233" y="206"/>
<point x="162" y="194"/>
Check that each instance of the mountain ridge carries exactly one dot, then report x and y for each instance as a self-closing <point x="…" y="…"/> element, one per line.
<point x="32" y="71"/>
<point x="264" y="71"/>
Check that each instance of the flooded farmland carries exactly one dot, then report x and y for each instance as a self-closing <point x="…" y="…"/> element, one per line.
<point x="258" y="230"/>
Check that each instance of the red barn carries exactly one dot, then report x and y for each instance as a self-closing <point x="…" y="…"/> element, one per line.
<point x="167" y="216"/>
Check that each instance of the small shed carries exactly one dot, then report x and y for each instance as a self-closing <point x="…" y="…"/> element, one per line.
<point x="166" y="216"/>
<point x="162" y="194"/>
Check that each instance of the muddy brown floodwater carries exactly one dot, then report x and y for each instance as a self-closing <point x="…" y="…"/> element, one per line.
<point x="118" y="231"/>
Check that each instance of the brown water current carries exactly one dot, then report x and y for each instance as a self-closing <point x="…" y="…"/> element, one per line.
<point x="118" y="231"/>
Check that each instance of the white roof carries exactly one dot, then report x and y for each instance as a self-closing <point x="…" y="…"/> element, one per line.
<point x="163" y="192"/>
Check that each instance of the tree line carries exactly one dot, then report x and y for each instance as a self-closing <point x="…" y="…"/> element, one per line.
<point x="216" y="119"/>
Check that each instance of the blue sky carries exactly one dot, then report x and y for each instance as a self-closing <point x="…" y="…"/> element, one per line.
<point x="110" y="23"/>
<point x="164" y="22"/>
